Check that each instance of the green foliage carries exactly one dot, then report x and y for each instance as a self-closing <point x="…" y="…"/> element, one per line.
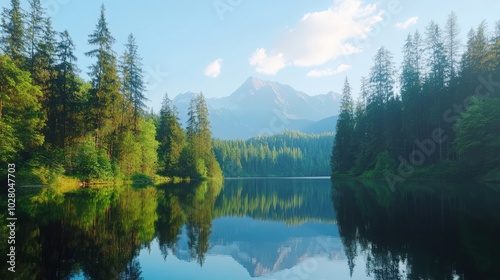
<point x="198" y="157"/>
<point x="98" y="128"/>
<point x="288" y="154"/>
<point x="149" y="147"/>
<point x="13" y="32"/>
<point x="21" y="118"/>
<point x="91" y="162"/>
<point x="171" y="138"/>
<point x="104" y="98"/>
<point x="133" y="79"/>
<point x="478" y="140"/>
<point x="461" y="103"/>
<point x="342" y="158"/>
<point x="408" y="224"/>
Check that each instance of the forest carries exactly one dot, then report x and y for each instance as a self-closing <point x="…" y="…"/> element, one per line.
<point x="290" y="153"/>
<point x="434" y="116"/>
<point x="53" y="123"/>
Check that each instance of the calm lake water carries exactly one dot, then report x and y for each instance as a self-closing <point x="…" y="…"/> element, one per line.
<point x="274" y="229"/>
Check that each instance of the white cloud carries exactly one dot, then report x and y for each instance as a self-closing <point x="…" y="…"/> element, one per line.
<point x="213" y="69"/>
<point x="329" y="71"/>
<point x="322" y="36"/>
<point x="406" y="24"/>
<point x="267" y="64"/>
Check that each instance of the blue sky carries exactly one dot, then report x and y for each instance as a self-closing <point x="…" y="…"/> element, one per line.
<point x="214" y="45"/>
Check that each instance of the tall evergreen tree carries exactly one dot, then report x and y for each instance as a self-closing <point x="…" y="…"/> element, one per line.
<point x="13" y="33"/>
<point x="382" y="78"/>
<point x="199" y="156"/>
<point x="436" y="58"/>
<point x="452" y="45"/>
<point x="410" y="91"/>
<point x="104" y="99"/>
<point x="364" y="92"/>
<point x="435" y="81"/>
<point x="67" y="87"/>
<point x="377" y="125"/>
<point x="495" y="49"/>
<point x="342" y="158"/>
<point x="171" y="138"/>
<point x="133" y="79"/>
<point x="35" y="30"/>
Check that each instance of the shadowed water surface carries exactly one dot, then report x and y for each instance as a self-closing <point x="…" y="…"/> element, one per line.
<point x="261" y="228"/>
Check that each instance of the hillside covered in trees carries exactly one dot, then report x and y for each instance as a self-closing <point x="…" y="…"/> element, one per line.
<point x="53" y="122"/>
<point x="438" y="116"/>
<point x="288" y="154"/>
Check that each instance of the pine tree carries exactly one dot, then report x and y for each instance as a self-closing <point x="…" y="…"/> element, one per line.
<point x="171" y="138"/>
<point x="381" y="78"/>
<point x="452" y="45"/>
<point x="364" y="92"/>
<point x="436" y="58"/>
<point x="342" y="159"/>
<point x="199" y="156"/>
<point x="382" y="91"/>
<point x="435" y="81"/>
<point x="65" y="96"/>
<point x="410" y="91"/>
<point x="13" y="33"/>
<point x="104" y="99"/>
<point x="34" y="32"/>
<point x="133" y="79"/>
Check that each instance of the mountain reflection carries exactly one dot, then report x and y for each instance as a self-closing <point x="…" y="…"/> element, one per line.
<point x="421" y="230"/>
<point x="265" y="225"/>
<point x="269" y="227"/>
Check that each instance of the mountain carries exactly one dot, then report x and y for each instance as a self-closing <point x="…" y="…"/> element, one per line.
<point x="321" y="126"/>
<point x="260" y="107"/>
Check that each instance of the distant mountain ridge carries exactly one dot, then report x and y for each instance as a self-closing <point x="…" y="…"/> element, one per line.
<point x="260" y="107"/>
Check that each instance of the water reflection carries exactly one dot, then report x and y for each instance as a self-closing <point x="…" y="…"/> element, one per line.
<point x="259" y="228"/>
<point x="92" y="233"/>
<point x="421" y="230"/>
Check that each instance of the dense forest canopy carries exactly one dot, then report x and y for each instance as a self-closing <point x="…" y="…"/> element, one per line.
<point x="288" y="154"/>
<point x="437" y="116"/>
<point x="434" y="115"/>
<point x="53" y="122"/>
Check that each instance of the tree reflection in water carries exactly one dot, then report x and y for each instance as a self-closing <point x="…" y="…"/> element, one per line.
<point x="97" y="233"/>
<point x="418" y="231"/>
<point x="421" y="230"/>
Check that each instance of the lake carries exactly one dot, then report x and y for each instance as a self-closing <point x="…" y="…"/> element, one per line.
<point x="259" y="228"/>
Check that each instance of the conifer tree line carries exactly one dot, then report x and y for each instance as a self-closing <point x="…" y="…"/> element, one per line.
<point x="436" y="114"/>
<point x="53" y="122"/>
<point x="291" y="153"/>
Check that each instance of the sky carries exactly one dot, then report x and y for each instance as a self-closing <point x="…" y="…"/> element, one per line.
<point x="213" y="46"/>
